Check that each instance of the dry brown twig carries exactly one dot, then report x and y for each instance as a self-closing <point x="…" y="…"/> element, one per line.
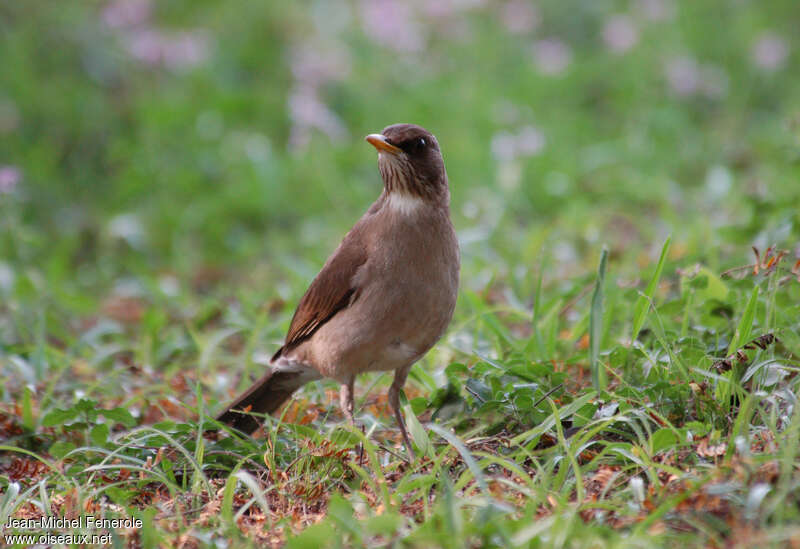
<point x="762" y="342"/>
<point x="769" y="263"/>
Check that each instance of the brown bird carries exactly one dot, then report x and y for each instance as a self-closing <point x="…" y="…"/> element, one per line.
<point x="383" y="298"/>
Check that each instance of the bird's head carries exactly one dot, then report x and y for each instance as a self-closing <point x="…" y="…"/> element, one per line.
<point x="410" y="162"/>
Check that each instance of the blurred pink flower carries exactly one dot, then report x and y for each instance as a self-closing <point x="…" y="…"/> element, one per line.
<point x="683" y="75"/>
<point x="448" y="8"/>
<point x="308" y="112"/>
<point x="10" y="176"/>
<point x="505" y="112"/>
<point x="180" y="50"/>
<point x="316" y="64"/>
<point x="530" y="141"/>
<point x="770" y="52"/>
<point x="126" y="13"/>
<point x="620" y="33"/>
<point x="391" y="23"/>
<point x="506" y="146"/>
<point x="656" y="10"/>
<point x="686" y="77"/>
<point x="519" y="16"/>
<point x="551" y="55"/>
<point x="440" y="8"/>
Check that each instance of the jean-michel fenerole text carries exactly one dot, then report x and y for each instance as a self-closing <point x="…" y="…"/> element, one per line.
<point x="82" y="522"/>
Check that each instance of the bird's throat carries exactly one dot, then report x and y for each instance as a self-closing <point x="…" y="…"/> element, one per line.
<point x="404" y="203"/>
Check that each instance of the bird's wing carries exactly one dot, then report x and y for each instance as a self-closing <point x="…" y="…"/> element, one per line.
<point x="332" y="290"/>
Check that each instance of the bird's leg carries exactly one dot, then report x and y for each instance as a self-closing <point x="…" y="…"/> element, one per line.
<point x="394" y="401"/>
<point x="348" y="407"/>
<point x="346" y="400"/>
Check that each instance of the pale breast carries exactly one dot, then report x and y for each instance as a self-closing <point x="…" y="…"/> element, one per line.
<point x="407" y="294"/>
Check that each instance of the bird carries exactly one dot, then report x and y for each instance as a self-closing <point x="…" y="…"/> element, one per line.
<point x="382" y="299"/>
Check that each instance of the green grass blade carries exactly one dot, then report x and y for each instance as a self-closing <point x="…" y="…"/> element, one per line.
<point x="252" y="485"/>
<point x="643" y="303"/>
<point x="417" y="431"/>
<point x="456" y="443"/>
<point x="536" y="338"/>
<point x="27" y="409"/>
<point x="568" y="452"/>
<point x="745" y="327"/>
<point x="596" y="325"/>
<point x="740" y="425"/>
<point x="9" y="501"/>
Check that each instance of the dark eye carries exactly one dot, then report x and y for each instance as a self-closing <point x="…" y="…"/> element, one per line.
<point x="414" y="145"/>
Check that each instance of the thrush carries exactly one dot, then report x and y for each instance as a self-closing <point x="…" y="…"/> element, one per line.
<point x="383" y="298"/>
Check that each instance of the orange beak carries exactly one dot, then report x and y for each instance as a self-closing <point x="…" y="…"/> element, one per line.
<point x="379" y="142"/>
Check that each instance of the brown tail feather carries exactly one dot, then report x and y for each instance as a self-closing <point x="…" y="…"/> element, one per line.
<point x="264" y="397"/>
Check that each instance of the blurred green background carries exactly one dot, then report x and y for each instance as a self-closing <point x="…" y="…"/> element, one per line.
<point x="173" y="173"/>
<point x="174" y="148"/>
<point x="226" y="133"/>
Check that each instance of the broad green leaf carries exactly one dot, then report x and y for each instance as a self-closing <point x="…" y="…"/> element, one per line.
<point x="663" y="439"/>
<point x="120" y="496"/>
<point x="321" y="534"/>
<point x="385" y="524"/>
<point x="60" y="448"/>
<point x="59" y="416"/>
<point x="99" y="434"/>
<point x="87" y="406"/>
<point x="706" y="285"/>
<point x="341" y="512"/>
<point x="584" y="415"/>
<point x="119" y="415"/>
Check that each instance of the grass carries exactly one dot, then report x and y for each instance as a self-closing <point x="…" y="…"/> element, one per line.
<point x="159" y="221"/>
